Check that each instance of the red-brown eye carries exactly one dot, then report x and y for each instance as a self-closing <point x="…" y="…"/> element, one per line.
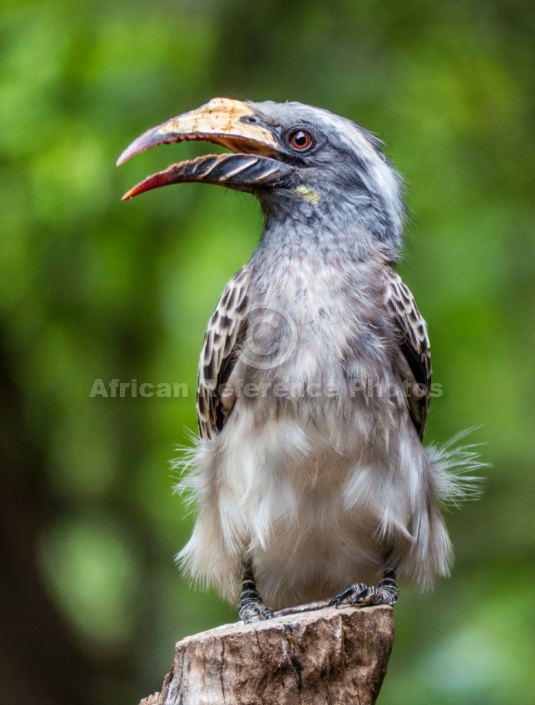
<point x="300" y="139"/>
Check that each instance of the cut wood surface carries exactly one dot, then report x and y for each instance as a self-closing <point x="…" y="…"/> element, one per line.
<point x="319" y="656"/>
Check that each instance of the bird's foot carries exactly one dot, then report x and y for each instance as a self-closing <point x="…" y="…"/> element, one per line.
<point x="386" y="593"/>
<point x="254" y="610"/>
<point x="251" y="607"/>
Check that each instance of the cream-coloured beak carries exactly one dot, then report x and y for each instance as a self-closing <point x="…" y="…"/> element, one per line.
<point x="230" y="123"/>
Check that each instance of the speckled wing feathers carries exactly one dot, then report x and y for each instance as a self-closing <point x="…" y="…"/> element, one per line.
<point x="225" y="330"/>
<point x="414" y="346"/>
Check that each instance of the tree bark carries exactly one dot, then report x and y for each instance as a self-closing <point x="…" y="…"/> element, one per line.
<point x="305" y="658"/>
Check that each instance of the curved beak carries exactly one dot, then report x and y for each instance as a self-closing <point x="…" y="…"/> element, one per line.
<point x="230" y="123"/>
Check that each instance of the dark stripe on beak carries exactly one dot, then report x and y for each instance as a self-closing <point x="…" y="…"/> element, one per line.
<point x="238" y="171"/>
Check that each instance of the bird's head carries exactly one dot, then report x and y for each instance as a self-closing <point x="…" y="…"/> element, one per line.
<point x="300" y="161"/>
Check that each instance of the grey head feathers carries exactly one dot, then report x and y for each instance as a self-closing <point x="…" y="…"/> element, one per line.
<point x="350" y="182"/>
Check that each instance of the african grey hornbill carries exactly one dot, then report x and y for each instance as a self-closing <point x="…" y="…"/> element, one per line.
<point x="310" y="476"/>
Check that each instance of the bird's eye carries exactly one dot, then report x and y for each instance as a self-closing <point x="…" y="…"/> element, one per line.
<point x="300" y="140"/>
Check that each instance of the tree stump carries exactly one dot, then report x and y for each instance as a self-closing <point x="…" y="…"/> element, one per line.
<point x="302" y="658"/>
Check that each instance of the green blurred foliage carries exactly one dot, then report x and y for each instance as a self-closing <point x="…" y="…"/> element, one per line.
<point x="91" y="288"/>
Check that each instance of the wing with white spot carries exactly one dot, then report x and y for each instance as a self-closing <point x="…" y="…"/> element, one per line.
<point x="415" y="356"/>
<point x="226" y="329"/>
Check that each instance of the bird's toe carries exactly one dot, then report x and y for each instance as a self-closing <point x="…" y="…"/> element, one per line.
<point x="361" y="594"/>
<point x="254" y="611"/>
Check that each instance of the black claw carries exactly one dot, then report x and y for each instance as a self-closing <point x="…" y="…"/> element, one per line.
<point x="386" y="593"/>
<point x="254" y="611"/>
<point x="346" y="597"/>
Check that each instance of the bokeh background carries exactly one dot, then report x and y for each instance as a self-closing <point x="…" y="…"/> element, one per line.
<point x="91" y="603"/>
